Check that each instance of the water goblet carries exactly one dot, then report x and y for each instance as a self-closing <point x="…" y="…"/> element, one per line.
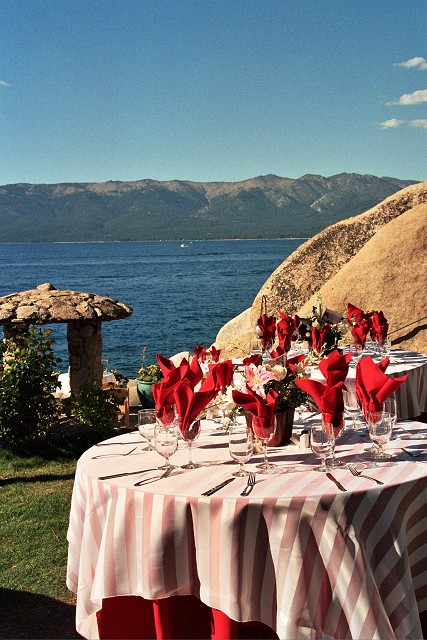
<point x="321" y="446"/>
<point x="372" y="416"/>
<point x="351" y="407"/>
<point x="189" y="435"/>
<point x="333" y="424"/>
<point x="240" y="446"/>
<point x="166" y="442"/>
<point x="390" y="407"/>
<point x="146" y="426"/>
<point x="380" y="433"/>
<point x="264" y="430"/>
<point x="300" y="410"/>
<point x="357" y="351"/>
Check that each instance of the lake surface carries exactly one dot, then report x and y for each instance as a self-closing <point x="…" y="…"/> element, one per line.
<point x="181" y="296"/>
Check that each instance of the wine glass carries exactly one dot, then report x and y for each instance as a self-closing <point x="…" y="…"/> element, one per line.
<point x="146" y="426"/>
<point x="333" y="424"/>
<point x="357" y="351"/>
<point x="321" y="446"/>
<point x="166" y="441"/>
<point x="300" y="410"/>
<point x="264" y="430"/>
<point x="189" y="435"/>
<point x="351" y="407"/>
<point x="380" y="433"/>
<point x="372" y="416"/>
<point x="240" y="446"/>
<point x="390" y="407"/>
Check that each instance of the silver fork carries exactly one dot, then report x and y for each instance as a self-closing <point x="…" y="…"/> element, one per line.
<point x="250" y="485"/>
<point x="112" y="455"/>
<point x="357" y="473"/>
<point x="148" y="480"/>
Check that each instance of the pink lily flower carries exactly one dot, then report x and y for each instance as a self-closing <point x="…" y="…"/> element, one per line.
<point x="257" y="377"/>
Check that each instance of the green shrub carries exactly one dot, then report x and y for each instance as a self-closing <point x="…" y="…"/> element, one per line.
<point x="28" y="408"/>
<point x="94" y="407"/>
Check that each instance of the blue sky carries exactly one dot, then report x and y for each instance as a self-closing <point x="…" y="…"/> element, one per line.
<point x="94" y="90"/>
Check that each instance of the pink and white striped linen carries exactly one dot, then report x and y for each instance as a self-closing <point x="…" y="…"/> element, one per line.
<point x="297" y="554"/>
<point x="411" y="396"/>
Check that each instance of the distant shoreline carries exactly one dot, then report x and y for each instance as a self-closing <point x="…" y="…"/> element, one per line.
<point x="153" y="241"/>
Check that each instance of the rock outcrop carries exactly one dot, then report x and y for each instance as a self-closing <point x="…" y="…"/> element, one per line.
<point x="321" y="258"/>
<point x="388" y="273"/>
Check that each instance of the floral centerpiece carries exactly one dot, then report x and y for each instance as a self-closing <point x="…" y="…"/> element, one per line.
<point x="280" y="378"/>
<point x="323" y="331"/>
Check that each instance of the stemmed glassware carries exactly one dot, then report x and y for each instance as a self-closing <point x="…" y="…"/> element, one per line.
<point x="380" y="433"/>
<point x="166" y="441"/>
<point x="300" y="410"/>
<point x="390" y="407"/>
<point x="264" y="431"/>
<point x="357" y="351"/>
<point x="189" y="436"/>
<point x="351" y="407"/>
<point x="371" y="418"/>
<point x="321" y="446"/>
<point x="333" y="424"/>
<point x="146" y="426"/>
<point x="240" y="446"/>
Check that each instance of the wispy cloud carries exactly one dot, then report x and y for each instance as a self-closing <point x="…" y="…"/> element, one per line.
<point x="3" y="83"/>
<point x="391" y="124"/>
<point x="394" y="123"/>
<point x="418" y="123"/>
<point x="413" y="63"/>
<point x="418" y="97"/>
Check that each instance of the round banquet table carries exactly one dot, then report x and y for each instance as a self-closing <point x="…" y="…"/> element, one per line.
<point x="411" y="396"/>
<point x="299" y="556"/>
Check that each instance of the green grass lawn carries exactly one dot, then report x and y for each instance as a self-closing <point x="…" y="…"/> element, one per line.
<point x="35" y="496"/>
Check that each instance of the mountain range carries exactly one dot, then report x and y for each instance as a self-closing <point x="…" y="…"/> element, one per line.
<point x="262" y="207"/>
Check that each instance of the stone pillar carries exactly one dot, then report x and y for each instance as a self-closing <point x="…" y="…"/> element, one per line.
<point x="84" y="352"/>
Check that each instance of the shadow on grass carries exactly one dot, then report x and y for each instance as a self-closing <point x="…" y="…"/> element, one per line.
<point x="43" y="477"/>
<point x="30" y="615"/>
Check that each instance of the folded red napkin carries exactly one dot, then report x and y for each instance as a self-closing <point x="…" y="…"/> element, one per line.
<point x="360" y="331"/>
<point x="318" y="337"/>
<point x="189" y="405"/>
<point x="285" y="330"/>
<point x="267" y="324"/>
<point x="253" y="359"/>
<point x="328" y="398"/>
<point x="354" y="314"/>
<point x="215" y="353"/>
<point x="292" y="362"/>
<point x="262" y="409"/>
<point x="165" y="364"/>
<point x="278" y="352"/>
<point x="219" y="377"/>
<point x="190" y="370"/>
<point x="373" y="386"/>
<point x="379" y="328"/>
<point x="335" y="367"/>
<point x="200" y="352"/>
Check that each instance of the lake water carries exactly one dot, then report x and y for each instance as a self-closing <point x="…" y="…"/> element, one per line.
<point x="181" y="296"/>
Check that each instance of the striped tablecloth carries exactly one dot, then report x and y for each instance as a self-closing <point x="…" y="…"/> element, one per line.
<point x="411" y="396"/>
<point x="298" y="554"/>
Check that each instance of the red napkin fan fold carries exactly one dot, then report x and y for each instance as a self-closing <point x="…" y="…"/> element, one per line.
<point x="190" y="404"/>
<point x="219" y="377"/>
<point x="263" y="409"/>
<point x="267" y="324"/>
<point x="285" y="330"/>
<point x="335" y="367"/>
<point x="373" y="386"/>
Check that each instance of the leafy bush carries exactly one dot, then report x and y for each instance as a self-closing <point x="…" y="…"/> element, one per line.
<point x="94" y="407"/>
<point x="28" y="408"/>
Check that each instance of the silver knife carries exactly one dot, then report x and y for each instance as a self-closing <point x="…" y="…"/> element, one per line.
<point x="338" y="484"/>
<point x="209" y="492"/>
<point x="127" y="473"/>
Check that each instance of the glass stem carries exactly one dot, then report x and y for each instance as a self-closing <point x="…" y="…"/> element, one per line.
<point x="190" y="461"/>
<point x="264" y="444"/>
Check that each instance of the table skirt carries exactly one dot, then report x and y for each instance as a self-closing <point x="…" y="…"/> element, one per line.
<point x="177" y="617"/>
